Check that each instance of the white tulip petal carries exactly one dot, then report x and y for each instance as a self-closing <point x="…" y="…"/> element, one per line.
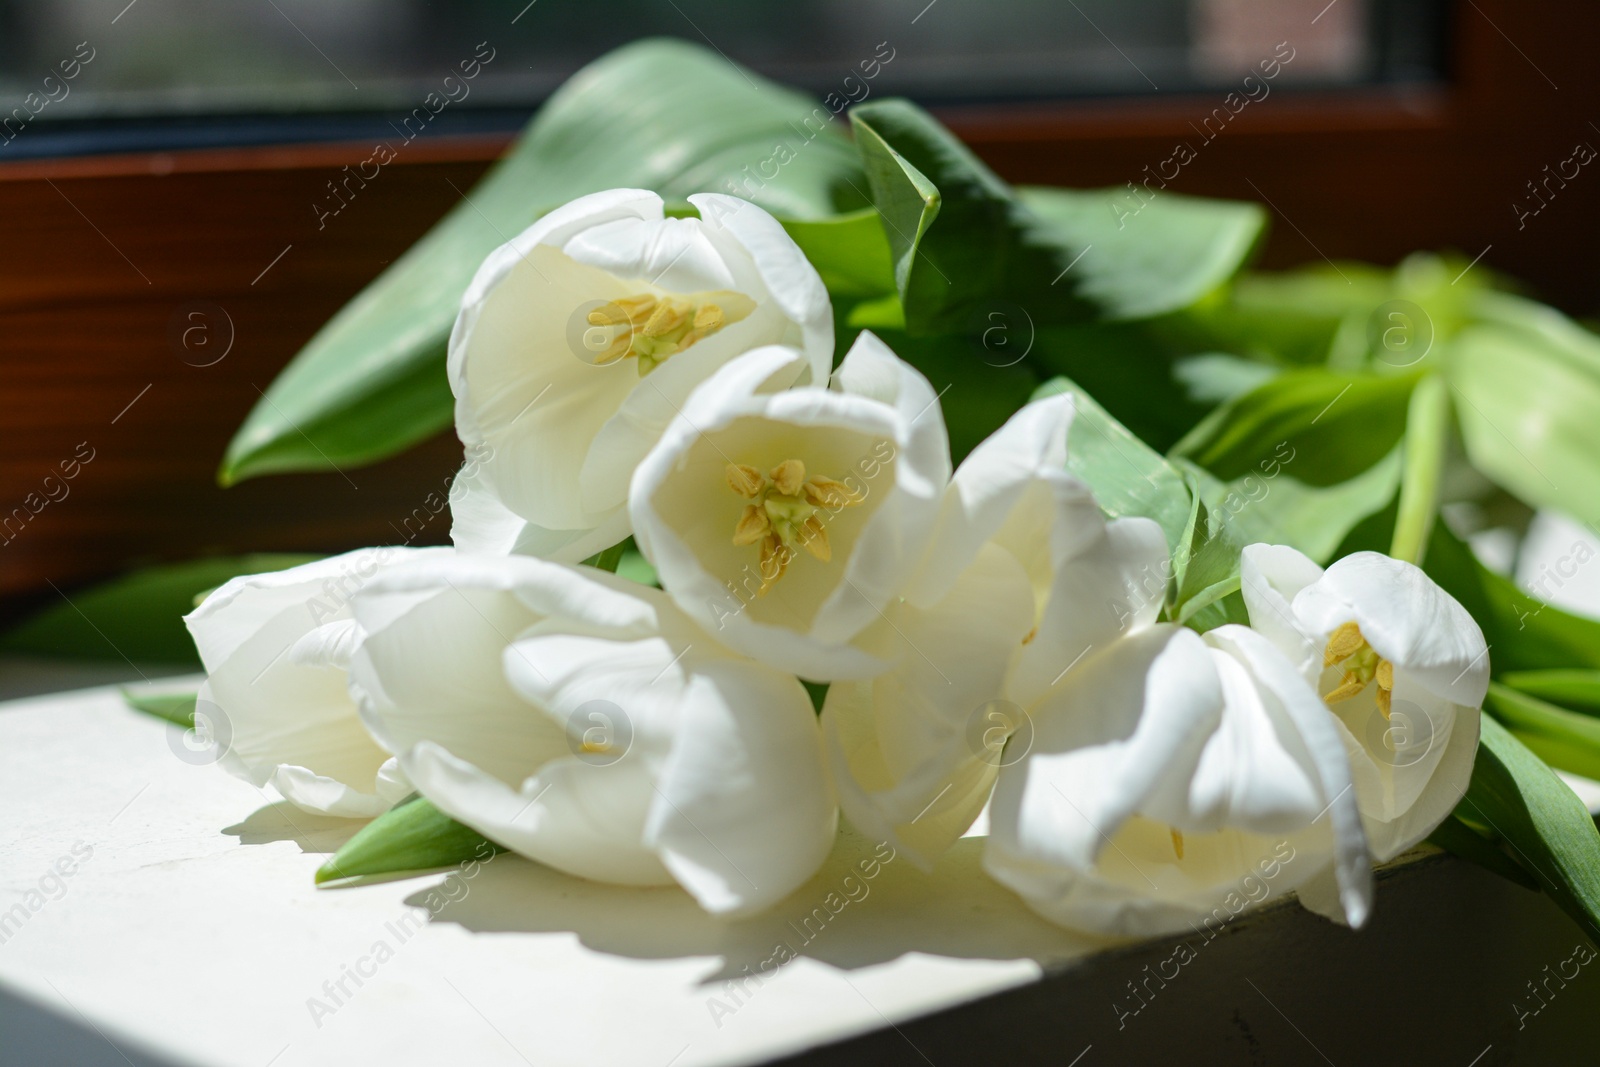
<point x="1104" y="740"/>
<point x="743" y="815"/>
<point x="570" y="816"/>
<point x="788" y="276"/>
<point x="1406" y="618"/>
<point x="1270" y="577"/>
<point x="1325" y="751"/>
<point x="326" y="796"/>
<point x="988" y="486"/>
<point x="1109" y="580"/>
<point x="275" y="647"/>
<point x="908" y="747"/>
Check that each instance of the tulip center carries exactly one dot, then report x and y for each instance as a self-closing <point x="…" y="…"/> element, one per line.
<point x="785" y="512"/>
<point x="1361" y="664"/>
<point x="651" y="328"/>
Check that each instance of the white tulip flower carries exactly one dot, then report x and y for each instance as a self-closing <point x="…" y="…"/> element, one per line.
<point x="580" y="339"/>
<point x="581" y="721"/>
<point x="1023" y="579"/>
<point x="1170" y="777"/>
<point x="1403" y="669"/>
<point x="785" y="521"/>
<point x="276" y="647"/>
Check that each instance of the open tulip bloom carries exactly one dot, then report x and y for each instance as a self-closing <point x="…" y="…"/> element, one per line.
<point x="785" y="521"/>
<point x="582" y="721"/>
<point x="276" y="648"/>
<point x="581" y="338"/>
<point x="1403" y="669"/>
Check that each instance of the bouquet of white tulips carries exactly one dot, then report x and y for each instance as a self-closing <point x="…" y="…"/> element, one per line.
<point x="816" y="472"/>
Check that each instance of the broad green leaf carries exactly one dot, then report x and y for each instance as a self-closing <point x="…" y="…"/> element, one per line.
<point x="963" y="242"/>
<point x="1174" y="252"/>
<point x="1560" y="737"/>
<point x="175" y="708"/>
<point x="1527" y="403"/>
<point x="1338" y="425"/>
<point x="1546" y="826"/>
<point x="849" y="251"/>
<point x="1281" y="510"/>
<point x="411" y="836"/>
<point x="658" y="114"/>
<point x="1523" y="633"/>
<point x="138" y="617"/>
<point x="1578" y="690"/>
<point x="1127" y="476"/>
<point x="1346" y="315"/>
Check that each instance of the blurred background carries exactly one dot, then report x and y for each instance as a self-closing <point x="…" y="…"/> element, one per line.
<point x="162" y="163"/>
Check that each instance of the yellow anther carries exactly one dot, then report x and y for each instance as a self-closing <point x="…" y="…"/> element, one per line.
<point x="668" y="315"/>
<point x="708" y="318"/>
<point x="1350" y="685"/>
<point x="745" y="480"/>
<point x="1385" y="674"/>
<point x="1362" y="665"/>
<point x="789" y="476"/>
<point x="1343" y="643"/>
<point x="814" y="539"/>
<point x="1177" y="844"/>
<point x="753" y="525"/>
<point x="828" y="493"/>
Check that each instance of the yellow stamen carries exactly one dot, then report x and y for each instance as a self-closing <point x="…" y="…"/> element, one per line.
<point x="1350" y="685"/>
<point x="653" y="328"/>
<point x="789" y="476"/>
<point x="814" y="539"/>
<point x="828" y="493"/>
<point x="1177" y="844"/>
<point x="785" y="514"/>
<point x="1343" y="643"/>
<point x="745" y="480"/>
<point x="753" y="525"/>
<point x="1362" y="665"/>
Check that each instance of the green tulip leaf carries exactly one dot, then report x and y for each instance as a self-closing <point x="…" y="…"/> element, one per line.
<point x="1576" y="690"/>
<point x="1527" y="390"/>
<point x="411" y="836"/>
<point x="1561" y="738"/>
<point x="1524" y="633"/>
<point x="1540" y="819"/>
<point x="964" y="243"/>
<point x="1127" y="476"/>
<point x="138" y="617"/>
<point x="1336" y="425"/>
<point x="658" y="114"/>
<point x="176" y="708"/>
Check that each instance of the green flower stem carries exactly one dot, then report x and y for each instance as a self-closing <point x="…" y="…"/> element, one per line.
<point x="1427" y="433"/>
